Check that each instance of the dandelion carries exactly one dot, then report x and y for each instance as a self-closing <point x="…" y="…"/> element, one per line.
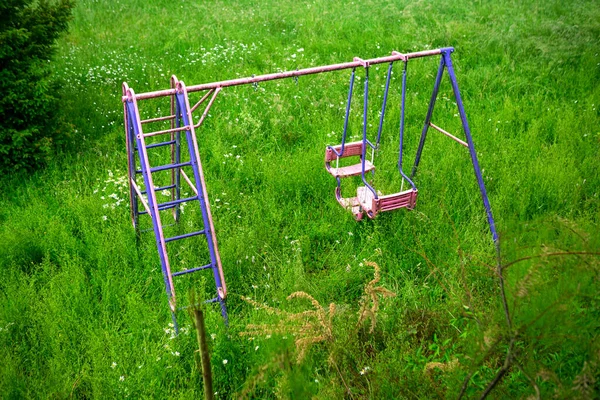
<point x="225" y="362"/>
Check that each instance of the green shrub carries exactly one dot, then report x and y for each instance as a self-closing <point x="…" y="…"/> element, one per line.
<point x="32" y="128"/>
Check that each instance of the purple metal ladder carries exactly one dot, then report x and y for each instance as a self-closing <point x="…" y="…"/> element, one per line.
<point x="137" y="150"/>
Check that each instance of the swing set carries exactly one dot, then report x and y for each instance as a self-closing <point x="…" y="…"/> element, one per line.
<point x="182" y="135"/>
<point x="368" y="200"/>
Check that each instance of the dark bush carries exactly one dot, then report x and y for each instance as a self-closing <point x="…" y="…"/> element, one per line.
<point x="31" y="126"/>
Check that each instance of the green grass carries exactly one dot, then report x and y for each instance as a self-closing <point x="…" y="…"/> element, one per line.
<point x="82" y="306"/>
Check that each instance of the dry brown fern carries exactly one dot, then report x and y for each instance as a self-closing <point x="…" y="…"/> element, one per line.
<point x="370" y="300"/>
<point x="308" y="327"/>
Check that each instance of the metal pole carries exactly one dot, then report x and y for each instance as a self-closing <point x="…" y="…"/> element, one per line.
<point x="465" y="124"/>
<point x="289" y="74"/>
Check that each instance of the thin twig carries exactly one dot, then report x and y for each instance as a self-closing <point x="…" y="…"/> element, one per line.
<point x="538" y="395"/>
<point x="491" y="349"/>
<point x="508" y="360"/>
<point x="566" y="253"/>
<point x="204" y="355"/>
<point x="331" y="360"/>
<point x="465" y="384"/>
<point x="499" y="270"/>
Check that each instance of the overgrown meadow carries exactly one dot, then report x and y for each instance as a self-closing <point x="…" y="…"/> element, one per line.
<point x="408" y="305"/>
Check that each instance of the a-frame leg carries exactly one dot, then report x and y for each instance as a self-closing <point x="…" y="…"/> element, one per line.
<point x="446" y="62"/>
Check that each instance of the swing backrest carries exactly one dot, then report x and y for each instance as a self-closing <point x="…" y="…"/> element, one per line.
<point x="350" y="150"/>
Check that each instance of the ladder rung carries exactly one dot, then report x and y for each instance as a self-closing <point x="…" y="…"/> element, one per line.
<point x="150" y="146"/>
<point x="160" y="189"/>
<point x="187" y="271"/>
<point x="165" y="167"/>
<point x="171" y="204"/>
<point x="351" y="170"/>
<point x="171" y="239"/>
<point x="213" y="300"/>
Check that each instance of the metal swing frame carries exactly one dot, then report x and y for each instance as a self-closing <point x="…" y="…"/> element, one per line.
<point x="181" y="119"/>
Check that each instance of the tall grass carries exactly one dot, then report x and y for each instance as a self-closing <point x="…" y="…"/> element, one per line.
<point x="83" y="311"/>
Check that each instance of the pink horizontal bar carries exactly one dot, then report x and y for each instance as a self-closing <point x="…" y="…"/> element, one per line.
<point x="183" y="128"/>
<point x="451" y="136"/>
<point x="168" y="117"/>
<point x="288" y="74"/>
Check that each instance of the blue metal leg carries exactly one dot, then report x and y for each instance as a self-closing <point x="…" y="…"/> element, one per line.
<point x="183" y="104"/>
<point x="436" y="87"/>
<point x="463" y="117"/>
<point x="147" y="175"/>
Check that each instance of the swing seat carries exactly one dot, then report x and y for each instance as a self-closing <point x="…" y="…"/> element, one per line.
<point x="372" y="206"/>
<point x="350" y="150"/>
<point x="349" y="203"/>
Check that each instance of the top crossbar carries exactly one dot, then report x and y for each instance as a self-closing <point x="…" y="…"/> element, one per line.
<point x="292" y="74"/>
